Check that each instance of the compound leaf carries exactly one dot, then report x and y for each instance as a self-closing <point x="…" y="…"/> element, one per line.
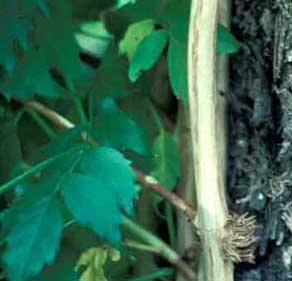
<point x="99" y="189"/>
<point x="14" y="28"/>
<point x="32" y="230"/>
<point x="54" y="48"/>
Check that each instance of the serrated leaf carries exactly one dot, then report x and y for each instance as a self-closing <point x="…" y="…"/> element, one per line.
<point x="32" y="229"/>
<point x="31" y="77"/>
<point x="14" y="28"/>
<point x="177" y="68"/>
<point x="94" y="260"/>
<point x="113" y="128"/>
<point x="226" y="42"/>
<point x="95" y="193"/>
<point x="147" y="53"/>
<point x="53" y="47"/>
<point x="134" y="35"/>
<point x="166" y="160"/>
<point x="63" y="267"/>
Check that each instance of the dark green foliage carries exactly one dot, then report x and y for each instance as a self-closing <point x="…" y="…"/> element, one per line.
<point x="166" y="160"/>
<point x="32" y="74"/>
<point x="102" y="185"/>
<point x="111" y="77"/>
<point x="147" y="53"/>
<point x="32" y="231"/>
<point x="73" y="56"/>
<point x="120" y="131"/>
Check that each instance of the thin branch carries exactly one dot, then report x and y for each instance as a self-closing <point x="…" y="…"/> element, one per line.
<point x="176" y="201"/>
<point x="50" y="114"/>
<point x="162" y="248"/>
<point x="145" y="180"/>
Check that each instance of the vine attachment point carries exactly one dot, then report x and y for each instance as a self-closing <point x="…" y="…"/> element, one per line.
<point x="239" y="241"/>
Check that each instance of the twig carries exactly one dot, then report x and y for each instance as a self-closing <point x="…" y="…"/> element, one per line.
<point x="52" y="115"/>
<point x="176" y="201"/>
<point x="145" y="180"/>
<point x="162" y="248"/>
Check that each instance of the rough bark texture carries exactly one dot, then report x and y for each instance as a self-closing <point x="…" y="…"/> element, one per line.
<point x="260" y="128"/>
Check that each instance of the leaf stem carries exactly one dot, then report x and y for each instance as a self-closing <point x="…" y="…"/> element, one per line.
<point x="162" y="248"/>
<point x="145" y="180"/>
<point x="35" y="169"/>
<point x="139" y="246"/>
<point x="41" y="122"/>
<point x="80" y="109"/>
<point x="50" y="114"/>
<point x="170" y="224"/>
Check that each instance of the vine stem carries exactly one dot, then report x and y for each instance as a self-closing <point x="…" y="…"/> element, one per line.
<point x="145" y="180"/>
<point x="207" y="129"/>
<point x="162" y="248"/>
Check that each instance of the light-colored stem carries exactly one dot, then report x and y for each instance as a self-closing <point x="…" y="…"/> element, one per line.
<point x="59" y="120"/>
<point x="206" y="129"/>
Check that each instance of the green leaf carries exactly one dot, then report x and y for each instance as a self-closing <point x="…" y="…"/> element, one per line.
<point x="113" y="128"/>
<point x="111" y="78"/>
<point x="121" y="3"/>
<point x="31" y="77"/>
<point x="226" y="42"/>
<point x="32" y="232"/>
<point x="93" y="38"/>
<point x="134" y="35"/>
<point x="95" y="193"/>
<point x="177" y="68"/>
<point x="141" y="10"/>
<point x="175" y="18"/>
<point x="65" y="140"/>
<point x="15" y="28"/>
<point x="166" y="160"/>
<point x="63" y="267"/>
<point x="147" y="53"/>
<point x="94" y="260"/>
<point x="53" y="47"/>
